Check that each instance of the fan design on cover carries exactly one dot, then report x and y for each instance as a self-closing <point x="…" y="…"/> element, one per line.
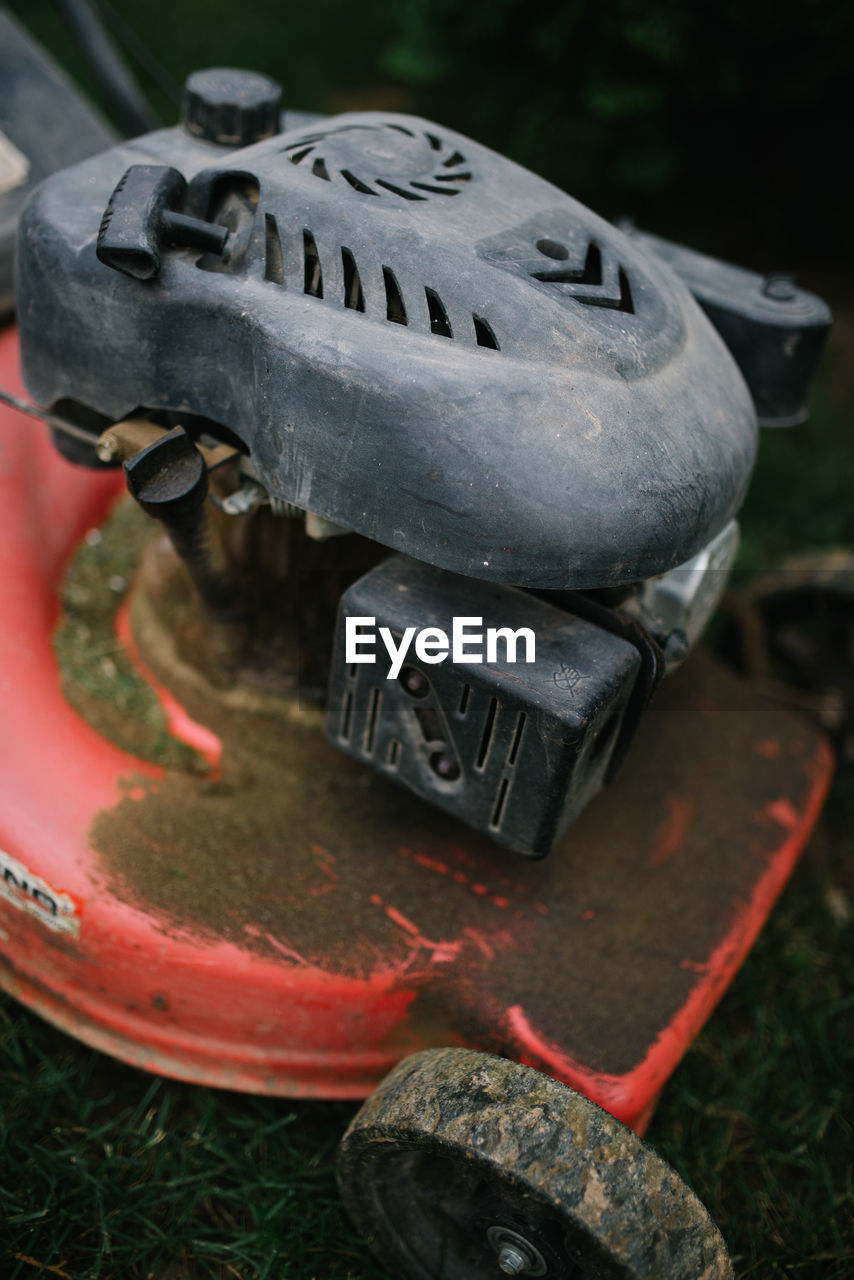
<point x="383" y="160"/>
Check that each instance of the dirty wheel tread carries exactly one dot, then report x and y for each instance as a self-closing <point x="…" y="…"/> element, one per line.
<point x="455" y="1143"/>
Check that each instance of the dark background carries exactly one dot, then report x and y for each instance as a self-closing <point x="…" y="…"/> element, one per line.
<point x="724" y="124"/>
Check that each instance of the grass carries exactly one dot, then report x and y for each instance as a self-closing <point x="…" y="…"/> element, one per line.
<point x="98" y="678"/>
<point x="107" y="1172"/>
<point x="758" y="1116"/>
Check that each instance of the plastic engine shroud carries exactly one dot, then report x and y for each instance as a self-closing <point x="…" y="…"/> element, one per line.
<point x="414" y="338"/>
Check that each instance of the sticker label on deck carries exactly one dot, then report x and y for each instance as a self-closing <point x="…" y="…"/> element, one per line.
<point x="54" y="907"/>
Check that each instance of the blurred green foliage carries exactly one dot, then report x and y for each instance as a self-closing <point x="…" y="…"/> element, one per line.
<point x="721" y="125"/>
<point x="716" y="120"/>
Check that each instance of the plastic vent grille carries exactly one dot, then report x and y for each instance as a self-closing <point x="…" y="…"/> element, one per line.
<point x="385" y="301"/>
<point x="386" y="160"/>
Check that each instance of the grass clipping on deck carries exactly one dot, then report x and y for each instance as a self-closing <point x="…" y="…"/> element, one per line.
<point x="97" y="676"/>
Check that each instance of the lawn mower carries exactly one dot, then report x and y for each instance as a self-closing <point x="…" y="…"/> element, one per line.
<point x="353" y="719"/>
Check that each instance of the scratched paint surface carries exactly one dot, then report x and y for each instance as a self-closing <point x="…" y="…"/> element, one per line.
<point x="226" y="922"/>
<point x="297" y="853"/>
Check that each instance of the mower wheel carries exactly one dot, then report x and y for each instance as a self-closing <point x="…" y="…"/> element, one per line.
<point x="463" y="1166"/>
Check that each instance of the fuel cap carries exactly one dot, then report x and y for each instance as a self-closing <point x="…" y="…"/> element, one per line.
<point x="231" y="107"/>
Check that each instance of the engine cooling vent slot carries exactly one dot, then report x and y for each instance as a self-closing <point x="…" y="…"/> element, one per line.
<point x="484" y="335"/>
<point x="273" y="265"/>
<point x="383" y="298"/>
<point x="383" y="160"/>
<point x="439" y="322"/>
<point x="313" y="271"/>
<point x="354" y="298"/>
<point x="395" y="309"/>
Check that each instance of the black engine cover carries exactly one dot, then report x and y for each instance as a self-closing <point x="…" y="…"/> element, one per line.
<point x="412" y="337"/>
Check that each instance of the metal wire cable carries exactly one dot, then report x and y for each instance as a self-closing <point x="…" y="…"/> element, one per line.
<point x="58" y="424"/>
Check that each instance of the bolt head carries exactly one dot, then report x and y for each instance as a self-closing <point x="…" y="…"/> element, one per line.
<point x="108" y="449"/>
<point x="415" y="682"/>
<point x="780" y="288"/>
<point x="510" y="1261"/>
<point x="444" y="765"/>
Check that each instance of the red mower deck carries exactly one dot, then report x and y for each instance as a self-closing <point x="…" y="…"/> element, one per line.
<point x="366" y="925"/>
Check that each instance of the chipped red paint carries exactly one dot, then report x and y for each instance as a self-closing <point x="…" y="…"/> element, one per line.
<point x="269" y="1018"/>
<point x="480" y="942"/>
<point x="620" y="1094"/>
<point x="181" y="725"/>
<point x="784" y="813"/>
<point x="459" y="877"/>
<point x="56" y="772"/>
<point x="411" y="928"/>
<point x="680" y="810"/>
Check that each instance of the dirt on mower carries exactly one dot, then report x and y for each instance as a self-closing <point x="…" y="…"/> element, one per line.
<point x="294" y="851"/>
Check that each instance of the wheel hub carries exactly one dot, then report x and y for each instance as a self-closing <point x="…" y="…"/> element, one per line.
<point x="516" y="1255"/>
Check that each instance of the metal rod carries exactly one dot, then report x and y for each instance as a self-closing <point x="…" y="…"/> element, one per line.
<point x="58" y="424"/>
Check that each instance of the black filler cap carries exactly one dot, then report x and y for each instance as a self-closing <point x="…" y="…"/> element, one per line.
<point x="231" y="107"/>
